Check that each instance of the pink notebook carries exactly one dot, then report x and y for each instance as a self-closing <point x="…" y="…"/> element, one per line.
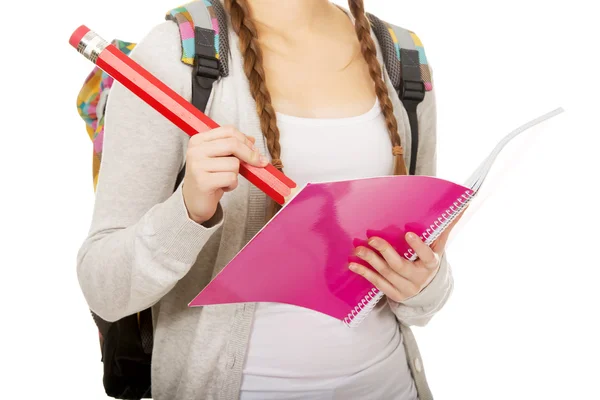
<point x="301" y="256"/>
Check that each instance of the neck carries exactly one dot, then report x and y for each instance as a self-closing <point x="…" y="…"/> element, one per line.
<point x="281" y="16"/>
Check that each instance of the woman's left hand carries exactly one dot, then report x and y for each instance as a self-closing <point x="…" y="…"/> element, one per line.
<point x="395" y="276"/>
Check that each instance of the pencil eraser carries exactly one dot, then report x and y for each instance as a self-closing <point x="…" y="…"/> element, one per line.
<point x="78" y="35"/>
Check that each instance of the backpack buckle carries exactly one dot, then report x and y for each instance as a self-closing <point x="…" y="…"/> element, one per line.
<point x="412" y="90"/>
<point x="411" y="82"/>
<point x="206" y="70"/>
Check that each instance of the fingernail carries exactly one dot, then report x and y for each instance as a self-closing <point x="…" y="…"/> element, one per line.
<point x="359" y="252"/>
<point x="353" y="267"/>
<point x="263" y="160"/>
<point x="411" y="236"/>
<point x="252" y="146"/>
<point x="374" y="243"/>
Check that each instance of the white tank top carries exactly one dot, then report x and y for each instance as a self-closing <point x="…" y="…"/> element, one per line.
<point x="295" y="353"/>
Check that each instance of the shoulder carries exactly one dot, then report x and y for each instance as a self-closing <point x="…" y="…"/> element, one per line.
<point x="163" y="38"/>
<point x="160" y="52"/>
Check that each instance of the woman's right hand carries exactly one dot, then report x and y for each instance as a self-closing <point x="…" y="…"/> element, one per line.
<point x="212" y="168"/>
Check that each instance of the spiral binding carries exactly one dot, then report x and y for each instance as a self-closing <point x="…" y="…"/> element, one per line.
<point x="368" y="303"/>
<point x="363" y="308"/>
<point x="438" y="226"/>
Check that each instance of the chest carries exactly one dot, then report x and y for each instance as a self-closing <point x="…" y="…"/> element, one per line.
<point x="332" y="149"/>
<point x="326" y="80"/>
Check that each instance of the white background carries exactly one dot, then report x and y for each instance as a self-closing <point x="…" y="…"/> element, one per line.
<point x="523" y="320"/>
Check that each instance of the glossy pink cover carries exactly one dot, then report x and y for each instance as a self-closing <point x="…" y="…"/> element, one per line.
<point x="301" y="257"/>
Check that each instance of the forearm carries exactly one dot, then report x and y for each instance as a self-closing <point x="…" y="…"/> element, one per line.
<point x="123" y="271"/>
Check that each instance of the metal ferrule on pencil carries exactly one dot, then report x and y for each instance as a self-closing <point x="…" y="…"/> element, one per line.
<point x="91" y="45"/>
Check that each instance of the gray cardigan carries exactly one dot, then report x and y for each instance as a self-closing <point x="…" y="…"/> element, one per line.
<point x="143" y="250"/>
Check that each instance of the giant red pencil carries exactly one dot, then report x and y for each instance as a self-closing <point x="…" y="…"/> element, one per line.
<point x="170" y="104"/>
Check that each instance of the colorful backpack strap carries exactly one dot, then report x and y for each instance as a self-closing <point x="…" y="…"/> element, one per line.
<point x="397" y="44"/>
<point x="407" y="44"/>
<point x="204" y="43"/>
<point x="407" y="67"/>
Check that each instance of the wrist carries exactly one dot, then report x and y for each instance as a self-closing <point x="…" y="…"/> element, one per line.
<point x="215" y="219"/>
<point x="207" y="221"/>
<point x="197" y="218"/>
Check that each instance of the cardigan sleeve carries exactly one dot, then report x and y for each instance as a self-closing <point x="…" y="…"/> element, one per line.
<point x="141" y="241"/>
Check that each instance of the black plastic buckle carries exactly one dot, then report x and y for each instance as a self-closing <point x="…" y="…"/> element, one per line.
<point x="206" y="70"/>
<point x="412" y="90"/>
<point x="206" y="67"/>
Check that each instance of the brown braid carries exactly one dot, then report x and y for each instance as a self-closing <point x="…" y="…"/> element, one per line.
<point x="369" y="52"/>
<point x="241" y="21"/>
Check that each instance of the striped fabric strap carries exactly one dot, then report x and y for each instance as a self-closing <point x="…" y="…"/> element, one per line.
<point x="201" y="14"/>
<point x="406" y="39"/>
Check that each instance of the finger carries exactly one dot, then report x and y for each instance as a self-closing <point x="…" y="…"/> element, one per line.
<point x="233" y="147"/>
<point x="222" y="132"/>
<point x="396" y="277"/>
<point x="390" y="255"/>
<point x="227" y="181"/>
<point x="392" y="292"/>
<point x="221" y="164"/>
<point x="427" y="256"/>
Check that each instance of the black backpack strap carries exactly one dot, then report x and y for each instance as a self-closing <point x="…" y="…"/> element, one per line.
<point x="146" y="330"/>
<point x="406" y="64"/>
<point x="411" y="93"/>
<point x="206" y="51"/>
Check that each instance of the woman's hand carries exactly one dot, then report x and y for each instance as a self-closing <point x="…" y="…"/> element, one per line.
<point x="212" y="168"/>
<point x="395" y="276"/>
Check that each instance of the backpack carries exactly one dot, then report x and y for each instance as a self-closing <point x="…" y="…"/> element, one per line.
<point x="126" y="345"/>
